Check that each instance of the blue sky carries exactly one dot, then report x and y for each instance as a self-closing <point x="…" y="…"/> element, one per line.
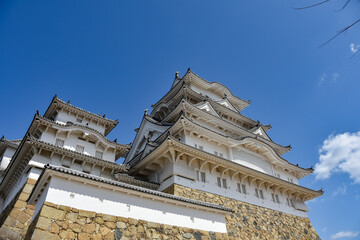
<point x="119" y="57"/>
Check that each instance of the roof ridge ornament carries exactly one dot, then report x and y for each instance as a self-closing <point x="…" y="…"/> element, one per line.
<point x="177" y="75"/>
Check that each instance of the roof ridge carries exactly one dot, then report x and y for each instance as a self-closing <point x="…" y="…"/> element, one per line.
<point x="81" y="109"/>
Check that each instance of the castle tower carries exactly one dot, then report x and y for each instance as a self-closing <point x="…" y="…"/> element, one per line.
<point x="197" y="144"/>
<point x="65" y="136"/>
<point x="61" y="181"/>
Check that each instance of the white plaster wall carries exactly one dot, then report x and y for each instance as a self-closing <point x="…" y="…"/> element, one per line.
<point x="209" y="126"/>
<point x="206" y="92"/>
<point x="6" y="157"/>
<point x="209" y="147"/>
<point x="64" y="117"/>
<point x="251" y="160"/>
<point x="92" y="198"/>
<point x="211" y="186"/>
<point x="285" y="175"/>
<point x="72" y="140"/>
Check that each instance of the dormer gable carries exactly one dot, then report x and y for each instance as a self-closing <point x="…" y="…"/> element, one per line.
<point x="206" y="106"/>
<point x="260" y="131"/>
<point x="225" y="102"/>
<point x="65" y="113"/>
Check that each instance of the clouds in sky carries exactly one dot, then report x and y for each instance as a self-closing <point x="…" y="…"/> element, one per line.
<point x="354" y="48"/>
<point x="345" y="234"/>
<point x="335" y="76"/>
<point x="340" y="153"/>
<point x="324" y="77"/>
<point x="340" y="190"/>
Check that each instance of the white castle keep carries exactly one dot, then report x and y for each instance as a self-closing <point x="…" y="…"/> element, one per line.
<point x="197" y="169"/>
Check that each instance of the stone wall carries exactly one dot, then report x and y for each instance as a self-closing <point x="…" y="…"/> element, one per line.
<point x="250" y="221"/>
<point x="56" y="222"/>
<point x="16" y="217"/>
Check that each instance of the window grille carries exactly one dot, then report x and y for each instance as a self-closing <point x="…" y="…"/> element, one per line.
<point x="99" y="154"/>
<point x="79" y="148"/>
<point x="59" y="142"/>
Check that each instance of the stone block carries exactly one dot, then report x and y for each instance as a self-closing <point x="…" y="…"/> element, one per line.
<point x="87" y="213"/>
<point x="109" y="218"/>
<point x="99" y="220"/>
<point x="121" y="225"/>
<point x="83" y="236"/>
<point x="43" y="223"/>
<point x="20" y="204"/>
<point x="111" y="225"/>
<point x="19" y="215"/>
<point x="31" y="181"/>
<point x="75" y="227"/>
<point x="89" y="228"/>
<point x="104" y="230"/>
<point x="28" y="188"/>
<point x="51" y="212"/>
<point x="40" y="234"/>
<point x="54" y="228"/>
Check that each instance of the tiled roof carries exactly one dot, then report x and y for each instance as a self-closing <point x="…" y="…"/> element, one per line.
<point x="11" y="143"/>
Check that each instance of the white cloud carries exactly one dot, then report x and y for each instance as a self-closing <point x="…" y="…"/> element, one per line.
<point x="335" y="76"/>
<point x="354" y="48"/>
<point x="322" y="79"/>
<point x="345" y="234"/>
<point x="340" y="190"/>
<point x="340" y="153"/>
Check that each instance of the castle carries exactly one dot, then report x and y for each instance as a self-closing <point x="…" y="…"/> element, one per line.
<point x="197" y="169"/>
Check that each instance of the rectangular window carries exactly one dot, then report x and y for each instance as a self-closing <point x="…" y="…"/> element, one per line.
<point x="203" y="179"/>
<point x="261" y="194"/>
<point x="79" y="148"/>
<point x="218" y="181"/>
<point x="239" y="187"/>
<point x="289" y="202"/>
<point x="79" y="120"/>
<point x="224" y="183"/>
<point x="243" y="188"/>
<point x="199" y="147"/>
<point x="197" y="175"/>
<point x="275" y="198"/>
<point x="99" y="154"/>
<point x="220" y="155"/>
<point x="216" y="153"/>
<point x="59" y="142"/>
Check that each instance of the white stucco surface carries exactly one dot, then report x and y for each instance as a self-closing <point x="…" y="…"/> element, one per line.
<point x="91" y="198"/>
<point x="186" y="176"/>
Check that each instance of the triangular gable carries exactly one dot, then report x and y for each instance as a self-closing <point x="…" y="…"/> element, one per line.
<point x="208" y="108"/>
<point x="225" y="102"/>
<point x="260" y="131"/>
